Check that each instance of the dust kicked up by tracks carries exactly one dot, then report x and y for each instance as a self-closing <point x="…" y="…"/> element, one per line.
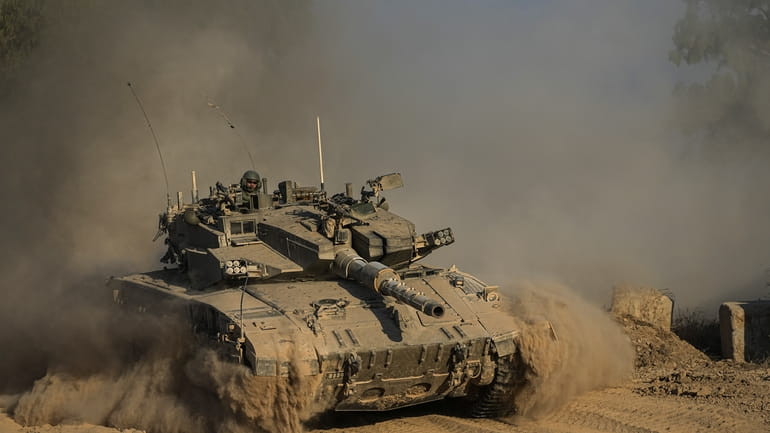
<point x="567" y="345"/>
<point x="157" y="380"/>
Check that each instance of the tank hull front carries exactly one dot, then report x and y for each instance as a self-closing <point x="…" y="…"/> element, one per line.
<point x="359" y="349"/>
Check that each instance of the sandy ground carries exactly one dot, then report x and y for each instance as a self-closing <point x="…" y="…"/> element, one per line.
<point x="740" y="405"/>
<point x="674" y="388"/>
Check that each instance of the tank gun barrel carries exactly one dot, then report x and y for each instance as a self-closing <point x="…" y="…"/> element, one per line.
<point x="385" y="280"/>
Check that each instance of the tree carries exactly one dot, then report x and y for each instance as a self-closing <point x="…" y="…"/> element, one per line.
<point x="19" y="29"/>
<point x="732" y="38"/>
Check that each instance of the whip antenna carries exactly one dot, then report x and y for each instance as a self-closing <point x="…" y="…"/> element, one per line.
<point x="320" y="153"/>
<point x="213" y="105"/>
<point x="155" y="138"/>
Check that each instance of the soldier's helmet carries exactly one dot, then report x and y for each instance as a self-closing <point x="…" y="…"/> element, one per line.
<point x="250" y="181"/>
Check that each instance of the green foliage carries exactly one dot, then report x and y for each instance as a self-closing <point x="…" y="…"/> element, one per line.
<point x="733" y="38"/>
<point x="733" y="33"/>
<point x="20" y="22"/>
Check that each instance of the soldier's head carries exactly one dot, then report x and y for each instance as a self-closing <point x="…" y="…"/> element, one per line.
<point x="250" y="181"/>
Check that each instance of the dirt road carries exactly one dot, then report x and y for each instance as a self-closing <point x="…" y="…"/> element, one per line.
<point x="623" y="409"/>
<point x="617" y="410"/>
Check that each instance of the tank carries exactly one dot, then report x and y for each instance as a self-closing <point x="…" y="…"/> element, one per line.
<point x="336" y="282"/>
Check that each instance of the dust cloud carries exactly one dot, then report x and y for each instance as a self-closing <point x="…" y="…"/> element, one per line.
<point x="568" y="346"/>
<point x="533" y="129"/>
<point x="83" y="188"/>
<point x="159" y="380"/>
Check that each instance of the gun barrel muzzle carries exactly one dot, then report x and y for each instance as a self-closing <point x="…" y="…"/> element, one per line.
<point x="385" y="280"/>
<point x="408" y="295"/>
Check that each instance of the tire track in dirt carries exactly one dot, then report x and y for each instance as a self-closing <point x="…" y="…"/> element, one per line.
<point x="620" y="410"/>
<point x="427" y="424"/>
<point x="616" y="410"/>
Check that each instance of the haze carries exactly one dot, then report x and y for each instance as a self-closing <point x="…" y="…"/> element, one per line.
<point x="539" y="131"/>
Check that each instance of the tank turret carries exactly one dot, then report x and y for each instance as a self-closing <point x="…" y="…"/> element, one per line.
<point x="294" y="233"/>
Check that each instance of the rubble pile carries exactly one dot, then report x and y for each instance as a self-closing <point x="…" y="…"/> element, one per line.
<point x="656" y="347"/>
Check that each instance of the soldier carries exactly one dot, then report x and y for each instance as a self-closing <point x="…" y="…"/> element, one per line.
<point x="250" y="184"/>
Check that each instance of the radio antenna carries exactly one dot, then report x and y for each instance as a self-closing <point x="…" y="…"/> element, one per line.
<point x="229" y="122"/>
<point x="320" y="152"/>
<point x="155" y="138"/>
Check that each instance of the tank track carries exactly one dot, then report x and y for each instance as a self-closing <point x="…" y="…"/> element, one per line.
<point x="497" y="399"/>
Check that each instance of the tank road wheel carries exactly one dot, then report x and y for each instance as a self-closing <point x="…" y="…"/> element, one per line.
<point x="496" y="399"/>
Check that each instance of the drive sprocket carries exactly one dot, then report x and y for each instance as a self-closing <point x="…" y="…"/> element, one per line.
<point x="497" y="399"/>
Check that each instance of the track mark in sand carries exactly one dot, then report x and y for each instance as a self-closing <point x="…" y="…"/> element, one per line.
<point x="616" y="410"/>
<point x="450" y="424"/>
<point x="431" y="424"/>
<point x="621" y="411"/>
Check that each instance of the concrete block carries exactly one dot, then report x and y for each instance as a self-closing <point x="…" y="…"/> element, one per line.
<point x="643" y="303"/>
<point x="745" y="330"/>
